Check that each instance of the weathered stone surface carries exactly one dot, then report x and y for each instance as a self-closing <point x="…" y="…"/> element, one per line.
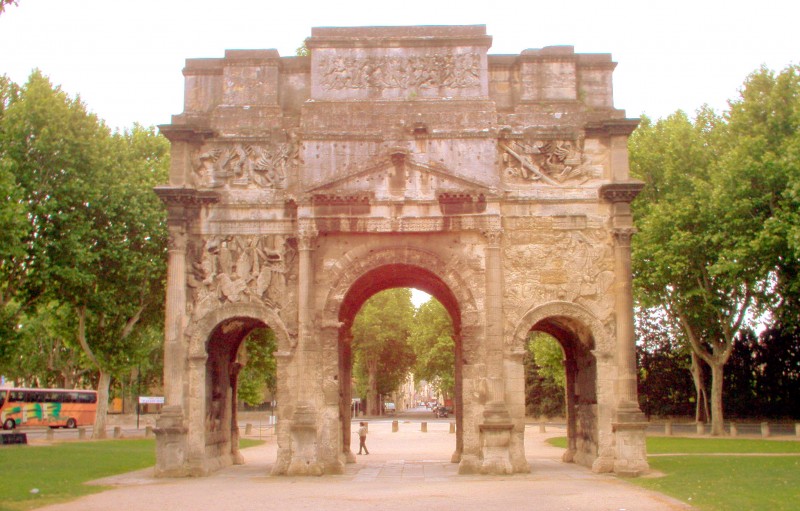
<point x="398" y="157"/>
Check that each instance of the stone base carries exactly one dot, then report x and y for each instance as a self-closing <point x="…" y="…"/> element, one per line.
<point x="630" y="456"/>
<point x="171" y="449"/>
<point x="603" y="465"/>
<point x="469" y="464"/>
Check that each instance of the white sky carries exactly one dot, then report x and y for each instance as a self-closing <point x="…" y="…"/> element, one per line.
<point x="124" y="58"/>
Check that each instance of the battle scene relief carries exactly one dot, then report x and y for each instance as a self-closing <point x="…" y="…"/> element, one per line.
<point x="233" y="269"/>
<point x="246" y="165"/>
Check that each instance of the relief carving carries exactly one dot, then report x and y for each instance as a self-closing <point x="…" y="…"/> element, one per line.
<point x="401" y="72"/>
<point x="554" y="162"/>
<point x="241" y="269"/>
<point x="573" y="266"/>
<point x="247" y="166"/>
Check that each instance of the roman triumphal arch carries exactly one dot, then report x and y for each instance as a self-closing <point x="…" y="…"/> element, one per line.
<point x="399" y="157"/>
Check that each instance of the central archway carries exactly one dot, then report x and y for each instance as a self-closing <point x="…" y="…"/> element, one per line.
<point x="394" y="267"/>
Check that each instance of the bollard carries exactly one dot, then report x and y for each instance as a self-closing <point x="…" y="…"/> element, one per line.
<point x="734" y="430"/>
<point x="395" y="427"/>
<point x="668" y="428"/>
<point x="49" y="434"/>
<point x="424" y="427"/>
<point x="701" y="428"/>
<point x="148" y="432"/>
<point x="82" y="433"/>
<point x="117" y="432"/>
<point x="797" y="429"/>
<point x="248" y="429"/>
<point x="542" y="429"/>
<point x="452" y="427"/>
<point x="765" y="429"/>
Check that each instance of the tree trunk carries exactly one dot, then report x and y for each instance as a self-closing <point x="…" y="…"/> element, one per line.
<point x="102" y="405"/>
<point x="701" y="413"/>
<point x="372" y="390"/>
<point x="717" y="417"/>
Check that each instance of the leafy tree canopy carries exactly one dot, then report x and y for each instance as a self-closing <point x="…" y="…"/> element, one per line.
<point x="434" y="347"/>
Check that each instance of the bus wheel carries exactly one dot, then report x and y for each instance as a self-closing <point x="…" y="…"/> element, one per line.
<point x="9" y="424"/>
<point x="71" y="424"/>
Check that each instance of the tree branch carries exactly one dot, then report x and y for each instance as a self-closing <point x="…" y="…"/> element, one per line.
<point x="82" y="336"/>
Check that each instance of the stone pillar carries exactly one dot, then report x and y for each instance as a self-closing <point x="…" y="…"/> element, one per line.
<point x="345" y="383"/>
<point x="304" y="421"/>
<point x="629" y="422"/>
<point x="626" y="337"/>
<point x="195" y="442"/>
<point x="174" y="353"/>
<point x="170" y="430"/>
<point x="571" y="369"/>
<point x="497" y="426"/>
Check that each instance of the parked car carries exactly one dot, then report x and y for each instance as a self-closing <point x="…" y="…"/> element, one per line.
<point x="389" y="408"/>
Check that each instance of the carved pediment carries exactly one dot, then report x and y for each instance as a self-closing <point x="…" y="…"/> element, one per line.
<point x="398" y="174"/>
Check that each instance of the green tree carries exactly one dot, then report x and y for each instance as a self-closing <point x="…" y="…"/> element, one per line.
<point x="434" y="348"/>
<point x="685" y="257"/>
<point x="258" y="376"/>
<point x="718" y="222"/>
<point x="123" y="288"/>
<point x="45" y="353"/>
<point x="95" y="236"/>
<point x="545" y="378"/>
<point x="548" y="356"/>
<point x="382" y="354"/>
<point x="759" y="179"/>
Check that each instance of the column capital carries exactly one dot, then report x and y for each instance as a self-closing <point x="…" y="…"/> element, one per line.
<point x="176" y="242"/>
<point x="493" y="236"/>
<point x="306" y="233"/>
<point x="623" y="235"/>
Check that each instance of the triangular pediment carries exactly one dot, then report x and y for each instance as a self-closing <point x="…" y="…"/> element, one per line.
<point x="399" y="174"/>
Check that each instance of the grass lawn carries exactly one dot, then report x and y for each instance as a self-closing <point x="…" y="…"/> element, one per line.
<point x="35" y="476"/>
<point x="729" y="482"/>
<point x="736" y="480"/>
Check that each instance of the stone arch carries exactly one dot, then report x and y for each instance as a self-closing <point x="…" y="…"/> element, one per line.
<point x="363" y="272"/>
<point x="214" y="343"/>
<point x="587" y="351"/>
<point x="362" y="260"/>
<point x="201" y="330"/>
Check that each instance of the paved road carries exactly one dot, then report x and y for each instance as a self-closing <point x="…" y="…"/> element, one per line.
<point x="407" y="470"/>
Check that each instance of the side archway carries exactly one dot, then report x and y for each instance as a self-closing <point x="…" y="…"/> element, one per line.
<point x="588" y="349"/>
<point x="214" y="365"/>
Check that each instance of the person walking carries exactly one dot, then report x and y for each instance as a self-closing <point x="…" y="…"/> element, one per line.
<point x="362" y="438"/>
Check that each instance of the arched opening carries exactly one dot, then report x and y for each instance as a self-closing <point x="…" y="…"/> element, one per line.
<point x="368" y="284"/>
<point x="227" y="350"/>
<point x="580" y="384"/>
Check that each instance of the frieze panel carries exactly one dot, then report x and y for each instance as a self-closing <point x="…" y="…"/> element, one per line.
<point x="552" y="162"/>
<point x="240" y="165"/>
<point x="455" y="71"/>
<point x="573" y="266"/>
<point x="234" y="269"/>
<point x="408" y="224"/>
